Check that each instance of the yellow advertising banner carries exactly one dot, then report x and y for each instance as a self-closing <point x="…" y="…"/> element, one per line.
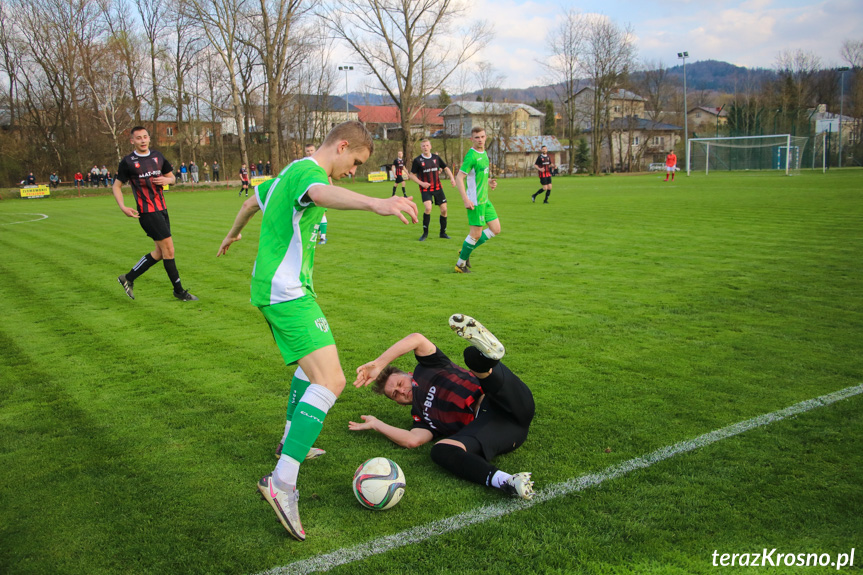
<point x="378" y="176"/>
<point x="34" y="191"/>
<point x="259" y="180"/>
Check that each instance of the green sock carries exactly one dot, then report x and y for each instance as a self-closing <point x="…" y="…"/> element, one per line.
<point x="482" y="239"/>
<point x="466" y="248"/>
<point x="306" y="425"/>
<point x="298" y="388"/>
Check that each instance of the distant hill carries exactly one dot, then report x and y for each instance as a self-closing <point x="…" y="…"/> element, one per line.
<point x="710" y="75"/>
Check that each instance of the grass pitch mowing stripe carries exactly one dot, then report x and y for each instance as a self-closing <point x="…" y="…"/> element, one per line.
<point x="487" y="512"/>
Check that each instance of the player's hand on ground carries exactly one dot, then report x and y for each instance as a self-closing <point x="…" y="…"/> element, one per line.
<point x="131" y="212"/>
<point x="366" y="374"/>
<point x="395" y="205"/>
<point x="226" y="243"/>
<point x="368" y="423"/>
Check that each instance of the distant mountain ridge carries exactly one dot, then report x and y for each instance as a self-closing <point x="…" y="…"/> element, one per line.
<point x="710" y="75"/>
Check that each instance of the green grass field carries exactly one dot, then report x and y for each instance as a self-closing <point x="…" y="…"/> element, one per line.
<point x="641" y="313"/>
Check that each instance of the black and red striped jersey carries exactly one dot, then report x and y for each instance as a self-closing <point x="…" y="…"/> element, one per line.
<point x="138" y="171"/>
<point x="543" y="162"/>
<point x="428" y="170"/>
<point x="444" y="395"/>
<point x="399" y="166"/>
<point x="244" y="174"/>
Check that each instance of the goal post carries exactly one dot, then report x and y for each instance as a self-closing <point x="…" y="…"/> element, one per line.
<point x="771" y="152"/>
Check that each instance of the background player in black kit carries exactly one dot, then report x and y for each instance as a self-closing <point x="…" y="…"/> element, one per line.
<point x="147" y="171"/>
<point x="425" y="171"/>
<point x="399" y="169"/>
<point x="481" y="413"/>
<point x="543" y="165"/>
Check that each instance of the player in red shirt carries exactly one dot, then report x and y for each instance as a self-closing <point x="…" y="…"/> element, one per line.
<point x="475" y="415"/>
<point x="147" y="171"/>
<point x="399" y="169"/>
<point x="670" y="165"/>
<point x="244" y="179"/>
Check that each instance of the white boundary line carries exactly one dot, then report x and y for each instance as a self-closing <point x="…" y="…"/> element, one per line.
<point x="44" y="217"/>
<point x="486" y="512"/>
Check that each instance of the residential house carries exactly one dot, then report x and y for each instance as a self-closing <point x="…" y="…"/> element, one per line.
<point x="825" y="121"/>
<point x="310" y="117"/>
<point x="637" y="142"/>
<point x="706" y="120"/>
<point x="621" y="104"/>
<point x="517" y="154"/>
<point x="500" y="119"/>
<point x="384" y="122"/>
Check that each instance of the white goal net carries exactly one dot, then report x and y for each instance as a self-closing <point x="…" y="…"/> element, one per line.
<point x="775" y="152"/>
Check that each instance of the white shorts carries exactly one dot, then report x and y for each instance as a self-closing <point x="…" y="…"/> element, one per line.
<point x="669" y="168"/>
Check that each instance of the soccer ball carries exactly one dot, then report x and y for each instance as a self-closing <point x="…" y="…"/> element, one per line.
<point x="379" y="483"/>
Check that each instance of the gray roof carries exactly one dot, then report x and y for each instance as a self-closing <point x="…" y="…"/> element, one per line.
<point x="488" y="108"/>
<point x="321" y="102"/>
<point x="619" y="94"/>
<point x="528" y="144"/>
<point x="643" y="124"/>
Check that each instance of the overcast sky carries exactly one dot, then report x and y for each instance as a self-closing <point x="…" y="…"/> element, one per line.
<point x="748" y="33"/>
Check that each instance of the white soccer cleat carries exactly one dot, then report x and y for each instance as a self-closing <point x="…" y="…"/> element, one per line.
<point x="519" y="485"/>
<point x="284" y="503"/>
<point x="478" y="336"/>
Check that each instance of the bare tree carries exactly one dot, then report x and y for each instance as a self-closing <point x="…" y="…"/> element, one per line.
<point x="12" y="49"/>
<point x="152" y="23"/>
<point x="566" y="45"/>
<point x="797" y="86"/>
<point x="609" y="54"/>
<point x="127" y="45"/>
<point x="105" y="75"/>
<point x="220" y="22"/>
<point x="276" y="41"/>
<point x="400" y="41"/>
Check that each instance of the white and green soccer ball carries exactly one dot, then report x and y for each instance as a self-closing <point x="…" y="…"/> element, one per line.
<point x="379" y="483"/>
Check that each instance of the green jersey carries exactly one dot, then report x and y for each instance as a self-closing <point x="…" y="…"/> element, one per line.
<point x="289" y="233"/>
<point x="475" y="165"/>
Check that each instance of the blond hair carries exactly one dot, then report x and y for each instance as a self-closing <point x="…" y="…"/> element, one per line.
<point x="354" y="133"/>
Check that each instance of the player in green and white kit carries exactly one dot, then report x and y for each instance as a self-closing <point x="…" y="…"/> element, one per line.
<point x="480" y="211"/>
<point x="282" y="288"/>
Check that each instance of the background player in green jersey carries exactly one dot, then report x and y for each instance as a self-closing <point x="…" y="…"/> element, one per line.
<point x="480" y="211"/>
<point x="282" y="288"/>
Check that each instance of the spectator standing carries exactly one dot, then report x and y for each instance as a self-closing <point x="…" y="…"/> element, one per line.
<point x="215" y="171"/>
<point x="184" y="172"/>
<point x="103" y="176"/>
<point x="193" y="168"/>
<point x="260" y="167"/>
<point x="206" y="172"/>
<point x="269" y="169"/>
<point x="94" y="177"/>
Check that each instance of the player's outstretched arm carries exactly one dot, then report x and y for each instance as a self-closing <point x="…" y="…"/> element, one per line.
<point x="249" y="208"/>
<point x="339" y="198"/>
<point x="415" y="342"/>
<point x="409" y="438"/>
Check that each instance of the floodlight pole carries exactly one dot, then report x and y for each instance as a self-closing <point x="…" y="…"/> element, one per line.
<point x="841" y="101"/>
<point x="683" y="56"/>
<point x="346" y="69"/>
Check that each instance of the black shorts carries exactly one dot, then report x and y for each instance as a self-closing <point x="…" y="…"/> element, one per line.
<point x="438" y="196"/>
<point x="545" y="181"/>
<point x="399" y="179"/>
<point x="503" y="419"/>
<point x="245" y="183"/>
<point x="157" y="225"/>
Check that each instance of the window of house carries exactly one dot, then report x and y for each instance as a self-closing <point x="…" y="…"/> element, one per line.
<point x="617" y="108"/>
<point x="636" y="140"/>
<point x="169" y="131"/>
<point x="697" y="114"/>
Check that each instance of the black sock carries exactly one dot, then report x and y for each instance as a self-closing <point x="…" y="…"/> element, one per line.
<point x="404" y="193"/>
<point x="139" y="268"/>
<point x="394" y="190"/>
<point x="547" y="193"/>
<point x="426" y="220"/>
<point x="538" y="192"/>
<point x="173" y="275"/>
<point x="476" y="361"/>
<point x="443" y="224"/>
<point x="463" y="464"/>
